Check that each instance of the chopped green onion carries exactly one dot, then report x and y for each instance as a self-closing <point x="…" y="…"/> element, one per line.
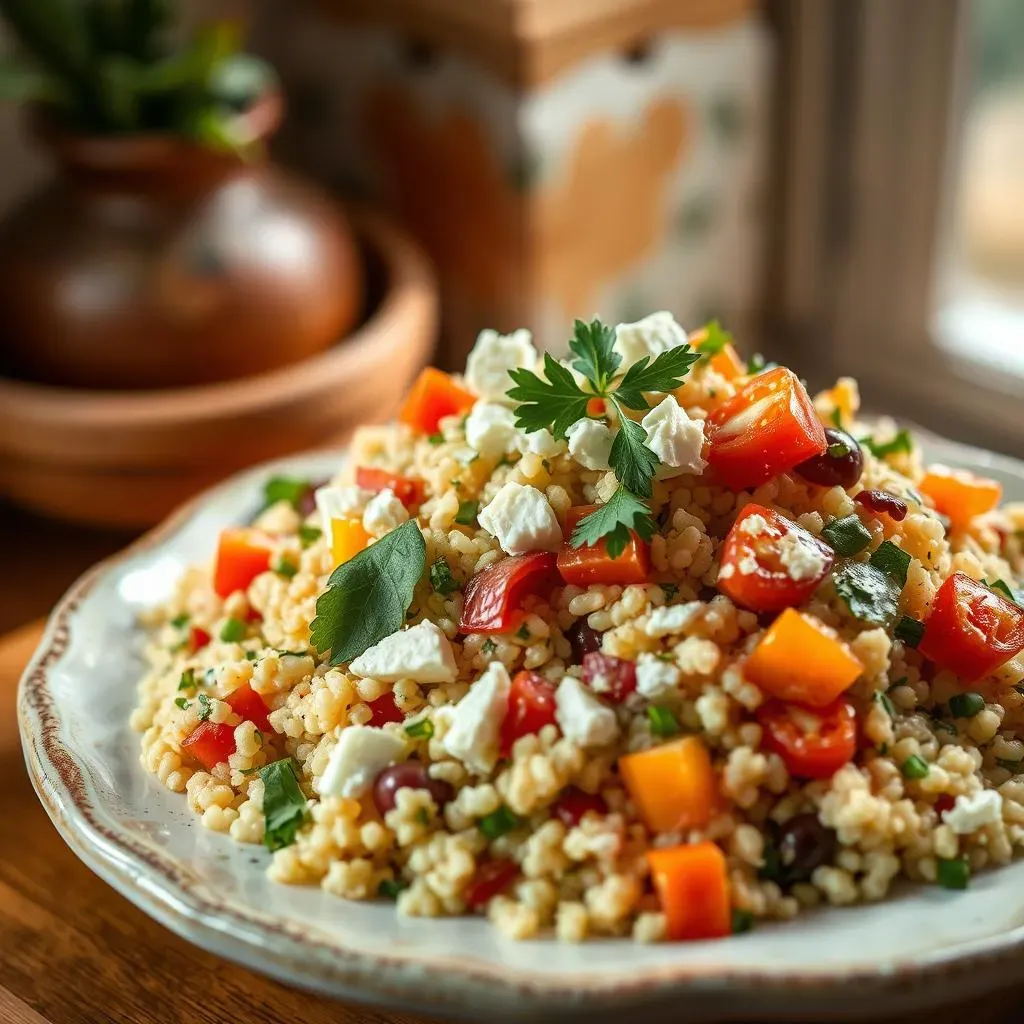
<point x="742" y="921"/>
<point x="284" y="488"/>
<point x="966" y="705"/>
<point x="251" y="655"/>
<point x="953" y="874"/>
<point x="910" y="631"/>
<point x="232" y="631"/>
<point x="180" y="621"/>
<point x="181" y="702"/>
<point x="885" y="702"/>
<point x="188" y="680"/>
<point x="891" y="560"/>
<point x="420" y="730"/>
<point x="488" y="646"/>
<point x="498" y="823"/>
<point x="309" y="535"/>
<point x="437" y="438"/>
<point x="669" y="590"/>
<point x="663" y="722"/>
<point x="423" y="816"/>
<point x="285" y="569"/>
<point x="523" y="632"/>
<point x="900" y="442"/>
<point x="205" y="707"/>
<point x="441" y="578"/>
<point x="847" y="536"/>
<point x="914" y="767"/>
<point x="466" y="516"/>
<point x="389" y="888"/>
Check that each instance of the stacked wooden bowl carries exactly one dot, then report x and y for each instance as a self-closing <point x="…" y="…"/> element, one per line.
<point x="125" y="459"/>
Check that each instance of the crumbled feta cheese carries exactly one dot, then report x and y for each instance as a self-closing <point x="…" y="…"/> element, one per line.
<point x="651" y="336"/>
<point x="755" y="525"/>
<point x="491" y="429"/>
<point x="590" y="443"/>
<point x="492" y="357"/>
<point x="677" y="440"/>
<point x="748" y="564"/>
<point x="340" y="503"/>
<point x="540" y="442"/>
<point x="801" y="560"/>
<point x="672" y="618"/>
<point x="521" y="519"/>
<point x="384" y="513"/>
<point x="726" y="571"/>
<point x="421" y="653"/>
<point x="654" y="676"/>
<point x="582" y="717"/>
<point x="361" y="754"/>
<point x="475" y="724"/>
<point x="973" y="811"/>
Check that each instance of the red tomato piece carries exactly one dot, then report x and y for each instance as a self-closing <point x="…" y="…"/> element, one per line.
<point x="408" y="491"/>
<point x="814" y="742"/>
<point x="570" y="807"/>
<point x="766" y="428"/>
<point x="492" y="878"/>
<point x="209" y="743"/>
<point x="592" y="563"/>
<point x="493" y="597"/>
<point x="247" y="703"/>
<point x="531" y="706"/>
<point x="384" y="710"/>
<point x="242" y="554"/>
<point x="613" y="678"/>
<point x="971" y="630"/>
<point x="769" y="563"/>
<point x="198" y="638"/>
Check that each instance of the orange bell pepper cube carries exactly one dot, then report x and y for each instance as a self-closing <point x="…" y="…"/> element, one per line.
<point x="242" y="554"/>
<point x="797" y="660"/>
<point x="728" y="364"/>
<point x="673" y="786"/>
<point x="348" y="538"/>
<point x="592" y="563"/>
<point x="408" y="491"/>
<point x="960" y="495"/>
<point x="693" y="885"/>
<point x="433" y="396"/>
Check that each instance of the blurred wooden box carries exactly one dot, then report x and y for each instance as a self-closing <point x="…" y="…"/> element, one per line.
<point x="557" y="158"/>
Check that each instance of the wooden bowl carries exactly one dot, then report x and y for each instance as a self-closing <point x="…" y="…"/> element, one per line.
<point x="125" y="459"/>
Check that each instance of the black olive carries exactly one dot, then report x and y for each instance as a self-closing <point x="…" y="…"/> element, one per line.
<point x="801" y="845"/>
<point x="582" y="639"/>
<point x="840" y="465"/>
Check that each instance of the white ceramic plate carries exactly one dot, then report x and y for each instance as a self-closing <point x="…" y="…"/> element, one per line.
<point x="925" y="946"/>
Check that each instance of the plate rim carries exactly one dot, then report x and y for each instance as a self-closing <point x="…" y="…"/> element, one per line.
<point x="158" y="885"/>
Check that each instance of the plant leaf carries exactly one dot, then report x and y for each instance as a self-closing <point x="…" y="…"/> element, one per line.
<point x="633" y="462"/>
<point x="665" y="374"/>
<point x="596" y="358"/>
<point x="284" y="804"/>
<point x="612" y="523"/>
<point x="367" y="597"/>
<point x="869" y="593"/>
<point x="714" y="339"/>
<point x="21" y="83"/>
<point x="556" y="402"/>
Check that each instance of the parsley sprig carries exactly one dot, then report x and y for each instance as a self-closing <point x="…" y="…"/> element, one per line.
<point x="557" y="400"/>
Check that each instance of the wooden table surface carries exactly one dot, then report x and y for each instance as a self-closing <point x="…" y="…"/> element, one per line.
<point x="72" y="951"/>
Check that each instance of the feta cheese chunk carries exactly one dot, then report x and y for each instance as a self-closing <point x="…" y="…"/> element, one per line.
<point x="384" y="513"/>
<point x="655" y="677"/>
<point x="582" y="717"/>
<point x="475" y="724"/>
<point x="540" y="442"/>
<point x="421" y="653"/>
<point x="973" y="811"/>
<point x="800" y="560"/>
<point x="521" y="519"/>
<point x="651" y="336"/>
<point x="492" y="357"/>
<point x="340" y="503"/>
<point x="361" y="754"/>
<point x="672" y="618"/>
<point x="491" y="429"/>
<point x="590" y="443"/>
<point x="676" y="439"/>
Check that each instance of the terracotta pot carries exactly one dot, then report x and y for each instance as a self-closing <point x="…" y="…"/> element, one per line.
<point x="127" y="459"/>
<point x="152" y="262"/>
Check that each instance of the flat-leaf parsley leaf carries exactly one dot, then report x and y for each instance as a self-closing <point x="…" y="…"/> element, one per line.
<point x="556" y="402"/>
<point x="613" y="521"/>
<point x="666" y="373"/>
<point x="596" y="358"/>
<point x="284" y="804"/>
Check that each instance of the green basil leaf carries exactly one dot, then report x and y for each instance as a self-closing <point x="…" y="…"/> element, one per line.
<point x="284" y="804"/>
<point x="868" y="592"/>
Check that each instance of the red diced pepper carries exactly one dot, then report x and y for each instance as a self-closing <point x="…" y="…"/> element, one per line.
<point x="209" y="743"/>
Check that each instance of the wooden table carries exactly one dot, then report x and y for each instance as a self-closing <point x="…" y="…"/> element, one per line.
<point x="72" y="951"/>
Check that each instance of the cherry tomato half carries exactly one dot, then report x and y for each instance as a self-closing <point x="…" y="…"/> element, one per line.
<point x="492" y="878"/>
<point x="769" y="563"/>
<point x="494" y="595"/>
<point x="409" y="492"/>
<point x="531" y="706"/>
<point x="814" y="742"/>
<point x="971" y="630"/>
<point x="592" y="564"/>
<point x="768" y="427"/>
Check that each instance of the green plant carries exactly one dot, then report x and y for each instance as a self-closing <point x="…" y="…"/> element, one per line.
<point x="108" y="67"/>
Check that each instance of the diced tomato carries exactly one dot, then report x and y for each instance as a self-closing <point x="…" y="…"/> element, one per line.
<point x="209" y="743"/>
<point x="613" y="678"/>
<point x="592" y="563"/>
<point x="971" y="630"/>
<point x="766" y="428"/>
<point x="531" y="706"/>
<point x="242" y="554"/>
<point x="198" y="638"/>
<point x="492" y="878"/>
<point x="433" y="396"/>
<point x="247" y="703"/>
<point x="408" y="491"/>
<point x="384" y="710"/>
<point x="693" y="885"/>
<point x="570" y="807"/>
<point x="814" y="742"/>
<point x="960" y="495"/>
<point x="494" y="596"/>
<point x="253" y="615"/>
<point x="769" y="563"/>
